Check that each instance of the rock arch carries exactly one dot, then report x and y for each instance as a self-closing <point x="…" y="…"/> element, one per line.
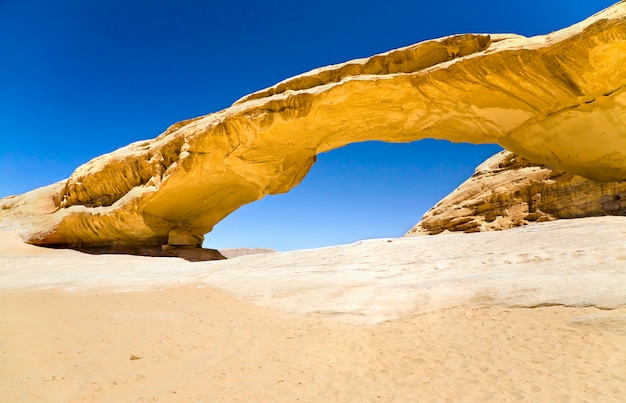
<point x="558" y="99"/>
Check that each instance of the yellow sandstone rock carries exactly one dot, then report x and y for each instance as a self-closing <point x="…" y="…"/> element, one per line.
<point x="558" y="99"/>
<point x="508" y="191"/>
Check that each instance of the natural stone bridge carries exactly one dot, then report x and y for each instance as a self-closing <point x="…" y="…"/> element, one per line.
<point x="558" y="99"/>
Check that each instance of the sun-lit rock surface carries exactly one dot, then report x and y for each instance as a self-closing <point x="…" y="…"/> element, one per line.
<point x="507" y="191"/>
<point x="558" y="99"/>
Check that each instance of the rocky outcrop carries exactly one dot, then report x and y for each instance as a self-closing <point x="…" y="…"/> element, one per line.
<point x="558" y="99"/>
<point x="508" y="191"/>
<point x="189" y="253"/>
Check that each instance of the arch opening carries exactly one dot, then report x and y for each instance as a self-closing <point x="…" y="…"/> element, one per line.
<point x="360" y="191"/>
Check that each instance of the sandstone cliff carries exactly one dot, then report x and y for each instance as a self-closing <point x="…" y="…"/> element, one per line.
<point x="508" y="191"/>
<point x="558" y="99"/>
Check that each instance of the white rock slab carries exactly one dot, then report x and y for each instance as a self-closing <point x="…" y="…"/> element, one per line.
<point x="578" y="262"/>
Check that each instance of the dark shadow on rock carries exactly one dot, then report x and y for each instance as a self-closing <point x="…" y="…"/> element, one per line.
<point x="187" y="253"/>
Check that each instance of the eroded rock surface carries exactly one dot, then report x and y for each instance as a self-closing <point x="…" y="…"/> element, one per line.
<point x="558" y="99"/>
<point x="508" y="191"/>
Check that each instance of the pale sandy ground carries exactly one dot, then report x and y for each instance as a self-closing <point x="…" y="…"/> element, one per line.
<point x="423" y="319"/>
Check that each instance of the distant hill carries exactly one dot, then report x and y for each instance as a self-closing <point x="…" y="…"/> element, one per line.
<point x="234" y="252"/>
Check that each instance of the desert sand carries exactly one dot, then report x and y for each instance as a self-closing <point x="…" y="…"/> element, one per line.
<point x="536" y="313"/>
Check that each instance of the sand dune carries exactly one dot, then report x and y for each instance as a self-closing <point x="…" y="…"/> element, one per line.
<point x="411" y="319"/>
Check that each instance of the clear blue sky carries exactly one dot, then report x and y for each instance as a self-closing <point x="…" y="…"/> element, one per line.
<point x="79" y="78"/>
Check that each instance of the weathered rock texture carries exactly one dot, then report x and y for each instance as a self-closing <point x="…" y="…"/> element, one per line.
<point x="508" y="191"/>
<point x="557" y="99"/>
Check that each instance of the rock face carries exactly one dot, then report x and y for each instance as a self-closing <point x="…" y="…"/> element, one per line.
<point x="508" y="191"/>
<point x="558" y="99"/>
